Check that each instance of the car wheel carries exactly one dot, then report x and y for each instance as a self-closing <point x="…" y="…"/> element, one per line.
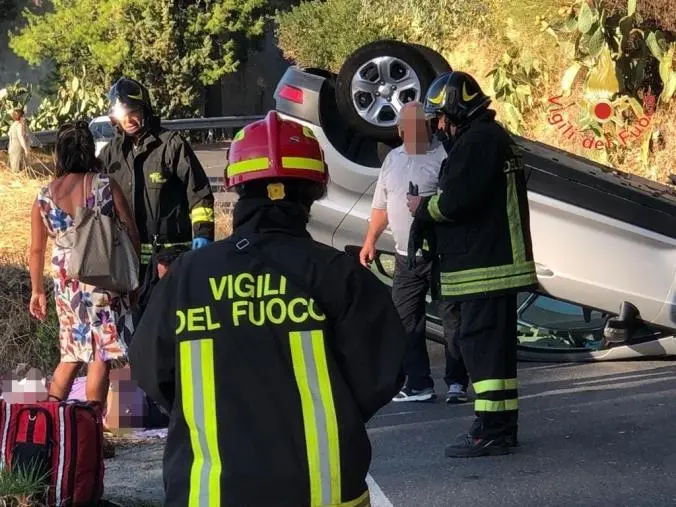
<point x="375" y="82"/>
<point x="434" y="58"/>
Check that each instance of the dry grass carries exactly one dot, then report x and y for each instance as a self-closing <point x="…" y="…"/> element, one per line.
<point x="17" y="194"/>
<point x="223" y="223"/>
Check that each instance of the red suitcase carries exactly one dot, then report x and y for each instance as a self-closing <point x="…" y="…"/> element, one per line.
<point x="63" y="440"/>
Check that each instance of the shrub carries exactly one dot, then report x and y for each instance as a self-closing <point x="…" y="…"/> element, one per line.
<point x="321" y="34"/>
<point x="304" y="32"/>
<point x="662" y="13"/>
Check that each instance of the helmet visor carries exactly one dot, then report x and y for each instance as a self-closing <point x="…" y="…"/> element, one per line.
<point x="119" y="110"/>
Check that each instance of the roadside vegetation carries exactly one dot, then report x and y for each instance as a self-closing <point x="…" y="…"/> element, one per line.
<point x="22" y="488"/>
<point x="533" y="57"/>
<point x="175" y="48"/>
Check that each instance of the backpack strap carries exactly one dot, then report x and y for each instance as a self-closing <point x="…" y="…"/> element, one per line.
<point x="243" y="243"/>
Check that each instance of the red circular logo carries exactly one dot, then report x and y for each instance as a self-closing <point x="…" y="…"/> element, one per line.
<point x="603" y="111"/>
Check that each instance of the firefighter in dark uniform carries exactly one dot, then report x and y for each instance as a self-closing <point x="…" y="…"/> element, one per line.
<point x="483" y="253"/>
<point x="269" y="350"/>
<point x="162" y="178"/>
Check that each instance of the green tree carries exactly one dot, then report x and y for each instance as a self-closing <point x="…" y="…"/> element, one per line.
<point x="175" y="47"/>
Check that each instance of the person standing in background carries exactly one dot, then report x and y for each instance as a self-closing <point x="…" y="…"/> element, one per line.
<point x="161" y="177"/>
<point x="417" y="160"/>
<point x="19" y="149"/>
<point x="94" y="323"/>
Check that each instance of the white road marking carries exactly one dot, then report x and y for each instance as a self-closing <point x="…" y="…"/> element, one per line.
<point x="378" y="498"/>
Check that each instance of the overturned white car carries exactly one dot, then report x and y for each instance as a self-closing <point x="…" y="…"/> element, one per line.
<point x="604" y="242"/>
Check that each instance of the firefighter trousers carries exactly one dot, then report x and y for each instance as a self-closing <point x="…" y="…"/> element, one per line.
<point x="488" y="343"/>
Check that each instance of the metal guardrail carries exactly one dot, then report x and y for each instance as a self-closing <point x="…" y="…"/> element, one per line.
<point x="47" y="137"/>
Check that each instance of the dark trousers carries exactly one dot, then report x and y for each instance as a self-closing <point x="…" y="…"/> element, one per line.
<point x="488" y="340"/>
<point x="409" y="289"/>
<point x="456" y="372"/>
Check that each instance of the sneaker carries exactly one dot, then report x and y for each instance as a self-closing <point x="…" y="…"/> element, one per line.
<point x="475" y="447"/>
<point x="409" y="394"/>
<point x="456" y="394"/>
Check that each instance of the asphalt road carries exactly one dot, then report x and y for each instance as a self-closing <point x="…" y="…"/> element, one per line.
<point x="591" y="435"/>
<point x="213" y="159"/>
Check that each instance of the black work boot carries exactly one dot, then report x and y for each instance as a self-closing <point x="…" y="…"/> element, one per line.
<point x="472" y="444"/>
<point x="511" y="438"/>
<point x="474" y="447"/>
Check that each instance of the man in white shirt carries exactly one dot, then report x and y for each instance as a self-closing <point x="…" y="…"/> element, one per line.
<point x="417" y="160"/>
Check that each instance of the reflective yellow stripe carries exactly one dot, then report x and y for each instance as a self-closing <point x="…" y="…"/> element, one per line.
<point x="261" y="164"/>
<point x="489" y="285"/>
<point x="238" y="136"/>
<point x="484" y="386"/>
<point x="308" y="133"/>
<point x="326" y="393"/>
<point x="496" y="406"/>
<point x="147" y="249"/>
<point x="482" y="274"/>
<point x="307" y="164"/>
<point x="202" y="214"/>
<point x="363" y="501"/>
<point x="310" y="368"/>
<point x="247" y="166"/>
<point x="434" y="211"/>
<point x="514" y="219"/>
<point x="198" y="397"/>
<point x="488" y="279"/>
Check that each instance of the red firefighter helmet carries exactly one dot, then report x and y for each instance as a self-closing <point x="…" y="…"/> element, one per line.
<point x="275" y="148"/>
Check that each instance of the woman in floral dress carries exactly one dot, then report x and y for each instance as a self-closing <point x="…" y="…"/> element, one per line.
<point x="94" y="324"/>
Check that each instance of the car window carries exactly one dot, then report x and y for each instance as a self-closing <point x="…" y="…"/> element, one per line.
<point x="102" y="130"/>
<point x="552" y="313"/>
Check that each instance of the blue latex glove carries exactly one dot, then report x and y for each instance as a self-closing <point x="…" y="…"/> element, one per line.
<point x="199" y="243"/>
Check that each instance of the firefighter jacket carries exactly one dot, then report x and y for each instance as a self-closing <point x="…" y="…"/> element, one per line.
<point x="271" y="352"/>
<point x="482" y="225"/>
<point x="165" y="185"/>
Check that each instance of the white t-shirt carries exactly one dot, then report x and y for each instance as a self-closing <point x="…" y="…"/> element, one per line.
<point x="390" y="194"/>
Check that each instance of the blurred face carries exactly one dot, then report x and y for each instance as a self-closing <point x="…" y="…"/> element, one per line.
<point x="414" y="129"/>
<point x="130" y="120"/>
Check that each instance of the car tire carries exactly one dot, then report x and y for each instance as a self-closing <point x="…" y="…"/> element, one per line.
<point x="403" y="64"/>
<point x="434" y="58"/>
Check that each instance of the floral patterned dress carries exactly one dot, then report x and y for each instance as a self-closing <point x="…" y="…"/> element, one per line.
<point x="92" y="321"/>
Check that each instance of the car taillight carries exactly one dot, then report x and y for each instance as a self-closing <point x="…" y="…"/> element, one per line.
<point x="291" y="93"/>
